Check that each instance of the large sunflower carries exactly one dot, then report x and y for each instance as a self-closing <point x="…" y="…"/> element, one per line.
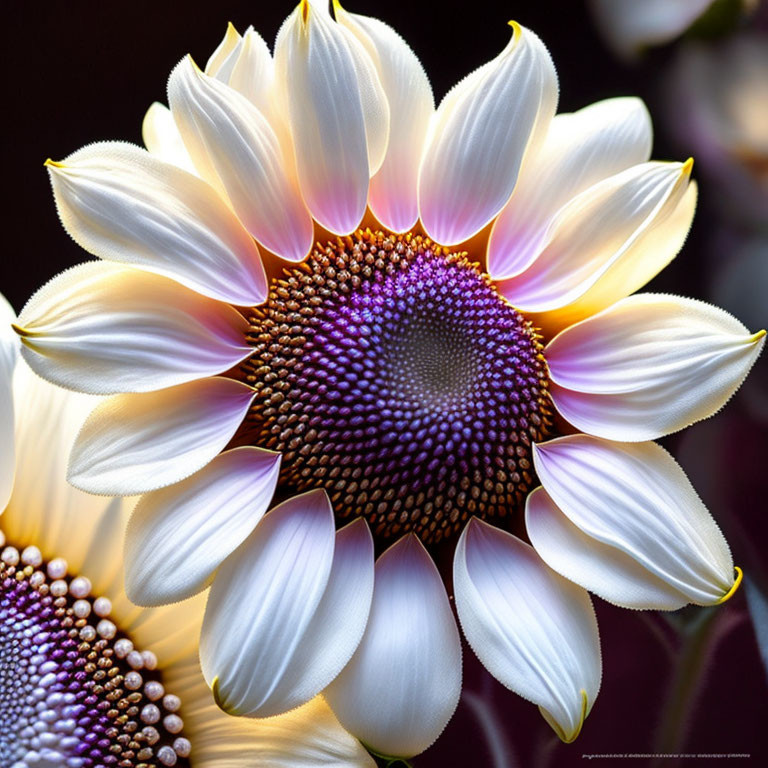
<point x="401" y="388"/>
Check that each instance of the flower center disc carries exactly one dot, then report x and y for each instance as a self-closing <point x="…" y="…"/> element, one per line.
<point x="390" y="372"/>
<point x="74" y="692"/>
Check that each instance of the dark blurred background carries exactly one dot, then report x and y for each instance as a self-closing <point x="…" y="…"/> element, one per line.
<point x="690" y="682"/>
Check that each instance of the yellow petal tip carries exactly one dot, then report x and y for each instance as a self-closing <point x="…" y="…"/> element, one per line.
<point x="20" y="330"/>
<point x="304" y="6"/>
<point x="757" y="336"/>
<point x="194" y="64"/>
<point x="737" y="581"/>
<point x="688" y="166"/>
<point x="517" y="30"/>
<point x="52" y="164"/>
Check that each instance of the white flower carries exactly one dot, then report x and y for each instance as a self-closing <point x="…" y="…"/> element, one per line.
<point x="126" y="671"/>
<point x="393" y="395"/>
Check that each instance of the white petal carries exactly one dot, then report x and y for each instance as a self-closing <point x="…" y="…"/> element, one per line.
<point x="316" y="76"/>
<point x="393" y="192"/>
<point x="534" y="631"/>
<point x="402" y="685"/>
<point x="580" y="150"/>
<point x="649" y="365"/>
<point x="120" y="203"/>
<point x="286" y="611"/>
<point x="253" y="73"/>
<point x="237" y="152"/>
<point x="635" y="499"/>
<point x="102" y="328"/>
<point x="162" y="138"/>
<point x="601" y="247"/>
<point x="222" y="60"/>
<point x="479" y="136"/>
<point x="9" y="352"/>
<point x="179" y="536"/>
<point x="630" y="26"/>
<point x="136" y="443"/>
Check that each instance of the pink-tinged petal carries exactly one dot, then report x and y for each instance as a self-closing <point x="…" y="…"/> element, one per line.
<point x="179" y="536"/>
<point x="580" y="150"/>
<point x="479" y="136"/>
<point x="102" y="328"/>
<point x="601" y="231"/>
<point x="238" y="153"/>
<point x="287" y="609"/>
<point x="632" y="498"/>
<point x="122" y="204"/>
<point x="649" y="365"/>
<point x="534" y="631"/>
<point x="402" y="685"/>
<point x="135" y="443"/>
<point x="393" y="192"/>
<point x="317" y="85"/>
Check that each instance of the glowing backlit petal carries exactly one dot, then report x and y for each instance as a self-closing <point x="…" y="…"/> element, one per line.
<point x="162" y="138"/>
<point x="534" y="631"/>
<point x="601" y="236"/>
<point x="393" y="191"/>
<point x="180" y="535"/>
<point x="222" y="61"/>
<point x="480" y="133"/>
<point x="287" y="609"/>
<point x="253" y="73"/>
<point x="105" y="329"/>
<point x="580" y="150"/>
<point x="135" y="443"/>
<point x="649" y="365"/>
<point x="403" y="683"/>
<point x="316" y="77"/>
<point x="122" y="204"/>
<point x="634" y="499"/>
<point x="237" y="152"/>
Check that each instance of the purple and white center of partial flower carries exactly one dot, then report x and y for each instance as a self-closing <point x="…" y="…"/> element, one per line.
<point x="392" y="373"/>
<point x="74" y="691"/>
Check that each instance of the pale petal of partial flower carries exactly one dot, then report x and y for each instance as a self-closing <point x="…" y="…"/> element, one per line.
<point x="135" y="443"/>
<point x="480" y="133"/>
<point x="9" y="353"/>
<point x="402" y="685"/>
<point x="393" y="191"/>
<point x="317" y="80"/>
<point x="237" y="152"/>
<point x="629" y="26"/>
<point x="634" y="499"/>
<point x="180" y="535"/>
<point x="104" y="329"/>
<point x="534" y="631"/>
<point x="122" y="204"/>
<point x="580" y="150"/>
<point x="253" y="74"/>
<point x="222" y="61"/>
<point x="285" y="611"/>
<point x="598" y="247"/>
<point x="649" y="365"/>
<point x="306" y="737"/>
<point x="44" y="509"/>
<point x="162" y="139"/>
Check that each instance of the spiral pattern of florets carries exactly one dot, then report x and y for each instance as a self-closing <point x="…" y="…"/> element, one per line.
<point x="74" y="691"/>
<point x="390" y="372"/>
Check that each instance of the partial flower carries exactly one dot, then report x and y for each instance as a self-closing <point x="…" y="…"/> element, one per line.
<point x="89" y="678"/>
<point x="394" y="392"/>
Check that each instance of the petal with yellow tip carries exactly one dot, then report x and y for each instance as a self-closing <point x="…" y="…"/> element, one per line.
<point x="649" y="365"/>
<point x="121" y="203"/>
<point x="482" y="130"/>
<point x="623" y="521"/>
<point x="533" y="630"/>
